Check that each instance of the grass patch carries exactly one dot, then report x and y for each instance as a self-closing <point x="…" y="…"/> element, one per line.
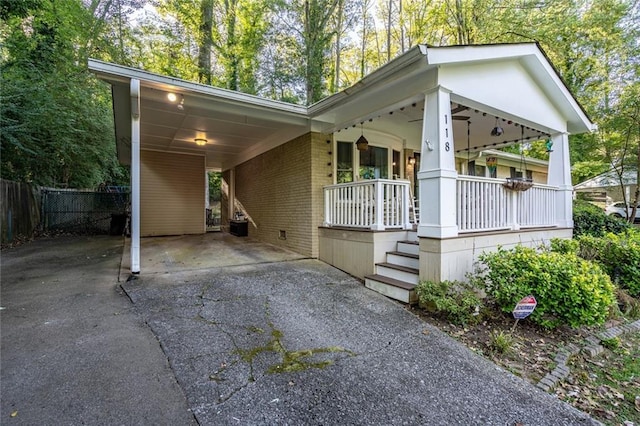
<point x="607" y="386"/>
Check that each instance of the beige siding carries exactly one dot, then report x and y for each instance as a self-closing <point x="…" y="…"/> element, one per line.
<point x="281" y="190"/>
<point x="172" y="196"/>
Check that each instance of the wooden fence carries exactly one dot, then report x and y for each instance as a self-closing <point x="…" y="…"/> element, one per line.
<point x="20" y="208"/>
<point x="27" y="208"/>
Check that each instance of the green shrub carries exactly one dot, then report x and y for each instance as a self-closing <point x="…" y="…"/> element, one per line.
<point x="569" y="290"/>
<point x="454" y="300"/>
<point x="589" y="219"/>
<point x="618" y="254"/>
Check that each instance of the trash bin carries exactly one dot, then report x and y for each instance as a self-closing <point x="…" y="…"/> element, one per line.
<point x="118" y="223"/>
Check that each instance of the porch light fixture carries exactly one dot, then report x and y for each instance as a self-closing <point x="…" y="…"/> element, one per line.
<point x="200" y="141"/>
<point x="181" y="104"/>
<point x="412" y="160"/>
<point x="362" y="143"/>
<point x="172" y="97"/>
<point x="497" y="130"/>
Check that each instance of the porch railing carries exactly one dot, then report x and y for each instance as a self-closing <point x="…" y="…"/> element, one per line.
<point x="372" y="204"/>
<point x="483" y="204"/>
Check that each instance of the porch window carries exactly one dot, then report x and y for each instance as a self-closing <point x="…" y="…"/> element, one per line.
<point x="374" y="163"/>
<point x="345" y="162"/>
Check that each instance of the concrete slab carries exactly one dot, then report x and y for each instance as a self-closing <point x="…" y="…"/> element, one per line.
<point x="73" y="349"/>
<point x="159" y="255"/>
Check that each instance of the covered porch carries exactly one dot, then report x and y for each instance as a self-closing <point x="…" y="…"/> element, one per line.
<point x="450" y="106"/>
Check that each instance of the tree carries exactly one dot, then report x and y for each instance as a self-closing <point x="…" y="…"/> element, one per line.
<point x="55" y="117"/>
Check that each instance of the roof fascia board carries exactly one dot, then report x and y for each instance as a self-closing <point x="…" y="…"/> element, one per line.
<point x="121" y="74"/>
<point x="514" y="157"/>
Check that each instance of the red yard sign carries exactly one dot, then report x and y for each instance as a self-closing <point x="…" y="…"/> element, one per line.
<point x="524" y="307"/>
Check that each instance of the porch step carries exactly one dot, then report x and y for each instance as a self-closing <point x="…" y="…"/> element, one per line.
<point x="404" y="259"/>
<point x="412" y="236"/>
<point x="411" y="247"/>
<point x="398" y="272"/>
<point x="390" y="287"/>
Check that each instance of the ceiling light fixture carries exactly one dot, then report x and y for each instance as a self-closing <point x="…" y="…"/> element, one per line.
<point x="172" y="97"/>
<point x="181" y="104"/>
<point x="200" y="141"/>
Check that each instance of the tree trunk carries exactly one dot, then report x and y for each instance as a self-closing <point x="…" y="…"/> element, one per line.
<point x="206" y="41"/>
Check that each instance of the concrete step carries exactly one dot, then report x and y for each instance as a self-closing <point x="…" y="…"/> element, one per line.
<point x="411" y="247"/>
<point x="395" y="289"/>
<point x="403" y="259"/>
<point x="397" y="272"/>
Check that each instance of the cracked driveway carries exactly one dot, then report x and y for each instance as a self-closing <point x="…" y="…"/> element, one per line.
<point x="299" y="342"/>
<point x="242" y="334"/>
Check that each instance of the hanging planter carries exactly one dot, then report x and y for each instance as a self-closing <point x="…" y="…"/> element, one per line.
<point x="518" y="184"/>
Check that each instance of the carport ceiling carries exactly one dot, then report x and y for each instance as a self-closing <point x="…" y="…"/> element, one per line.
<point x="236" y="126"/>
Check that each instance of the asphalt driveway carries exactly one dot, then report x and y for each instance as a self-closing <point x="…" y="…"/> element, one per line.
<point x="288" y="341"/>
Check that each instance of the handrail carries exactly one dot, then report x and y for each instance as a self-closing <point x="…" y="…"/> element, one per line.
<point x="376" y="204"/>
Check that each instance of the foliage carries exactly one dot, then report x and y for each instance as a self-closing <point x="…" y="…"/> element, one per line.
<point x="215" y="180"/>
<point x="618" y="254"/>
<point x="589" y="219"/>
<point x="456" y="301"/>
<point x="56" y="120"/>
<point x="501" y="341"/>
<point x="569" y="290"/>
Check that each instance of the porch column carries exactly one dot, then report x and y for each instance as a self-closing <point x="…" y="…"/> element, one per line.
<point x="560" y="176"/>
<point x="135" y="176"/>
<point x="437" y="175"/>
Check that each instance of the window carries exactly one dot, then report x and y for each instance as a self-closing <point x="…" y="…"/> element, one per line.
<point x="518" y="173"/>
<point x="396" y="164"/>
<point x="345" y="162"/>
<point x="374" y="163"/>
<point x="480" y="171"/>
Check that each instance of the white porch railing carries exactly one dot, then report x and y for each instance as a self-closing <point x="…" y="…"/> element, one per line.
<point x="483" y="204"/>
<point x="371" y="204"/>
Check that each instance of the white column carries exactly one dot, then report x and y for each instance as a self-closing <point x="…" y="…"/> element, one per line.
<point x="437" y="175"/>
<point x="560" y="176"/>
<point x="135" y="176"/>
<point x="232" y="193"/>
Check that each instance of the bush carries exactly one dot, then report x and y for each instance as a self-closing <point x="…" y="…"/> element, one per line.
<point x="589" y="219"/>
<point x="618" y="254"/>
<point x="569" y="290"/>
<point x="454" y="300"/>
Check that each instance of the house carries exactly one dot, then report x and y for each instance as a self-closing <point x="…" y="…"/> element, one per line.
<point x="609" y="186"/>
<point x="425" y="122"/>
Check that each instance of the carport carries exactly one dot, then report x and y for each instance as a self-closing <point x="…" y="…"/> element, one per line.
<point x="171" y="131"/>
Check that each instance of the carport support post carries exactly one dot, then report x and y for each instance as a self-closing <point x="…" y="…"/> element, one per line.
<point x="560" y="176"/>
<point x="135" y="176"/>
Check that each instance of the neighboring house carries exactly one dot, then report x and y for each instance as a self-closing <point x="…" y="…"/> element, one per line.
<point x="610" y="187"/>
<point x="429" y="116"/>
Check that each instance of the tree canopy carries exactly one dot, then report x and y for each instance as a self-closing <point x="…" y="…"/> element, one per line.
<point x="56" y="123"/>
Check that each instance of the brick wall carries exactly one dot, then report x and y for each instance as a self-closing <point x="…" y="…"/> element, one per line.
<point x="281" y="190"/>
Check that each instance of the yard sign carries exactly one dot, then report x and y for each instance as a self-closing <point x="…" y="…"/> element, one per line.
<point x="524" y="307"/>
